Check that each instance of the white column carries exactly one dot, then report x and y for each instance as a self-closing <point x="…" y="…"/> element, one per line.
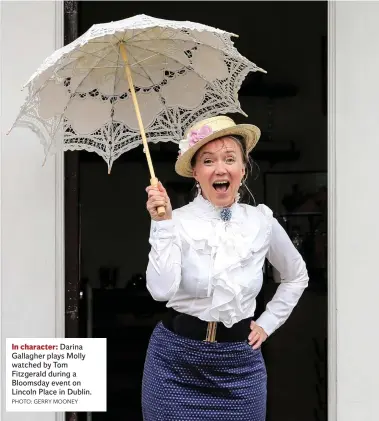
<point x="357" y="204"/>
<point x="31" y="195"/>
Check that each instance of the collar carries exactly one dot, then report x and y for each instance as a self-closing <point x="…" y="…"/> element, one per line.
<point x="205" y="208"/>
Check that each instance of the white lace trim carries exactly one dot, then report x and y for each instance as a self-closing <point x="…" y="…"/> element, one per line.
<point x="183" y="72"/>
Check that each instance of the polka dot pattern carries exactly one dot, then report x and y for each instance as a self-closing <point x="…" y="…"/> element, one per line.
<point x="189" y="380"/>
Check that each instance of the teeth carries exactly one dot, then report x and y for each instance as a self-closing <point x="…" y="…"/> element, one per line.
<point x="220" y="182"/>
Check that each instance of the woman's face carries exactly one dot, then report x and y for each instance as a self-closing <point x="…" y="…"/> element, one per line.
<point x="219" y="169"/>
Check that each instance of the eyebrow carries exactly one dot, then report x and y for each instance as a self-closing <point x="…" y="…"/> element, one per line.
<point x="212" y="153"/>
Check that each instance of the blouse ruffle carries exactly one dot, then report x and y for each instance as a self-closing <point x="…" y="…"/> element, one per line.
<point x="231" y="245"/>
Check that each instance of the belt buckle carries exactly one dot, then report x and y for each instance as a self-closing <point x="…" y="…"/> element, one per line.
<point x="211" y="332"/>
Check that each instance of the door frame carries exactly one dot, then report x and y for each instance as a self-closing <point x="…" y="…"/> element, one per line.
<point x="332" y="296"/>
<point x="60" y="283"/>
<point x="332" y="216"/>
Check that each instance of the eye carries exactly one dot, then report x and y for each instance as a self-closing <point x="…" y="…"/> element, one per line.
<point x="207" y="161"/>
<point x="230" y="160"/>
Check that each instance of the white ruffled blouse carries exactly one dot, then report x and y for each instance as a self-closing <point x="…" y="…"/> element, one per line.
<point x="213" y="269"/>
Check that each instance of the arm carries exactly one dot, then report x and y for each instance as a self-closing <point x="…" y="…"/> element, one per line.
<point x="283" y="255"/>
<point x="164" y="268"/>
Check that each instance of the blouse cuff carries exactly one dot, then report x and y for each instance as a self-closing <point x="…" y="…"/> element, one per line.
<point x="162" y="229"/>
<point x="268" y="322"/>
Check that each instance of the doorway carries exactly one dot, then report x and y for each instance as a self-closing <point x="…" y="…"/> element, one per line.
<point x="288" y="39"/>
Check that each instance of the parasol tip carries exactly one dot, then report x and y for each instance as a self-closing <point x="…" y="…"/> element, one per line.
<point x="11" y="128"/>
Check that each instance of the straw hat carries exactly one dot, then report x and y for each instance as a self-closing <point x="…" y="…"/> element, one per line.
<point x="207" y="130"/>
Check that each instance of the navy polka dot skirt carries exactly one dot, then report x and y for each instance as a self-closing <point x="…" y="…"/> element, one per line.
<point x="190" y="380"/>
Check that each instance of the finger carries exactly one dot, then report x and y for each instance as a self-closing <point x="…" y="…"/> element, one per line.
<point x="158" y="196"/>
<point x="164" y="192"/>
<point x="158" y="204"/>
<point x="155" y="193"/>
<point x="161" y="188"/>
<point x="163" y="195"/>
<point x="157" y="199"/>
<point x="253" y="337"/>
<point x="148" y="188"/>
<point x="258" y="344"/>
<point x="155" y="204"/>
<point x="152" y="188"/>
<point x="254" y="329"/>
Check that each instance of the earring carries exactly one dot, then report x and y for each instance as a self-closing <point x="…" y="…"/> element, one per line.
<point x="198" y="189"/>
<point x="238" y="196"/>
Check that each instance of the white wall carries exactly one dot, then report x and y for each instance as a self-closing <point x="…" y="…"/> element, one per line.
<point x="357" y="203"/>
<point x="28" y="191"/>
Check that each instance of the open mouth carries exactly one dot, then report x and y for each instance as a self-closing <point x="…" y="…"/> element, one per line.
<point x="221" y="186"/>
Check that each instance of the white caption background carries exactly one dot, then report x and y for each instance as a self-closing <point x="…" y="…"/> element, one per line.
<point x="56" y="374"/>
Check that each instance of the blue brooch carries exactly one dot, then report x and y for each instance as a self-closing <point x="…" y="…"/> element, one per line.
<point x="226" y="214"/>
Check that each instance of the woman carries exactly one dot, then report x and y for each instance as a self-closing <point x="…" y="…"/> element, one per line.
<point x="204" y="361"/>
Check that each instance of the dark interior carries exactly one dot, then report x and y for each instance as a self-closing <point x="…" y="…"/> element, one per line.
<point x="288" y="39"/>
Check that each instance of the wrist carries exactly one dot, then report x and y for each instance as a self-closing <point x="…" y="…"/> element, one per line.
<point x="162" y="219"/>
<point x="162" y="223"/>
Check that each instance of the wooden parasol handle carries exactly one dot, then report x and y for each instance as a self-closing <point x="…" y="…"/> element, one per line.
<point x="153" y="181"/>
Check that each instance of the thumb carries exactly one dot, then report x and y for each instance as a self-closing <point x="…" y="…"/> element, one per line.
<point x="161" y="188"/>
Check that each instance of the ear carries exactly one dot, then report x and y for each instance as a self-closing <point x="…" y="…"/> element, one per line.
<point x="194" y="174"/>
<point x="243" y="171"/>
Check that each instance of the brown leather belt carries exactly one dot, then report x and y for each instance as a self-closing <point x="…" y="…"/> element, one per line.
<point x="193" y="328"/>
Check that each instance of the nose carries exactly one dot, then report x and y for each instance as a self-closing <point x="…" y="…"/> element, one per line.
<point x="220" y="168"/>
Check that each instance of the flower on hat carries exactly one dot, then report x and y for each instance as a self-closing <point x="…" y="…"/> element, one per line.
<point x="195" y="135"/>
